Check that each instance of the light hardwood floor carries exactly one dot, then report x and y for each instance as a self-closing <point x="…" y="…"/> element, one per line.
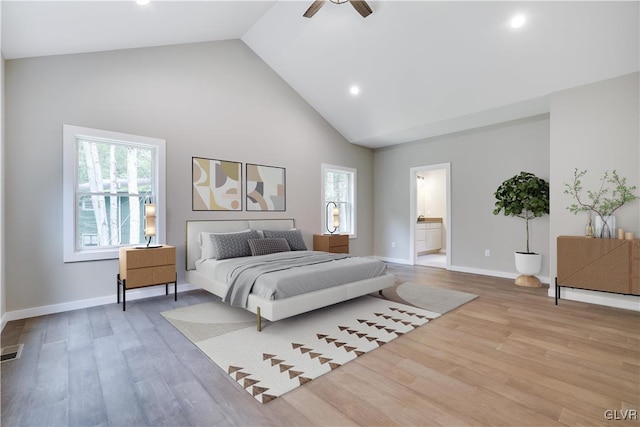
<point x="510" y="357"/>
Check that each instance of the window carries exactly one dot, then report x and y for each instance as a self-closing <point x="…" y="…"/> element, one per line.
<point x="90" y="240"/>
<point x="339" y="186"/>
<point x="86" y="205"/>
<point x="107" y="178"/>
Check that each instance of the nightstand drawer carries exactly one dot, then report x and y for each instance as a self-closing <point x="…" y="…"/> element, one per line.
<point x="150" y="276"/>
<point x="336" y="243"/>
<point x="338" y="240"/>
<point x="150" y="257"/>
<point x="141" y="267"/>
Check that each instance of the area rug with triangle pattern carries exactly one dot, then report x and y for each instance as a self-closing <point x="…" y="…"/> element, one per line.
<point x="291" y="352"/>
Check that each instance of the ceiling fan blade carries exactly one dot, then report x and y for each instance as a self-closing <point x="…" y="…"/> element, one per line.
<point x="315" y="6"/>
<point x="362" y="7"/>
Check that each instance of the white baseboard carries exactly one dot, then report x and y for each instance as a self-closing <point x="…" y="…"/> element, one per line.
<point x="460" y="269"/>
<point x="494" y="273"/>
<point x="627" y="302"/>
<point x="92" y="302"/>
<point x="394" y="260"/>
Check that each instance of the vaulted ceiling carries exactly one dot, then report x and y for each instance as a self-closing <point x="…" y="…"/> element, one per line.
<point x="424" y="68"/>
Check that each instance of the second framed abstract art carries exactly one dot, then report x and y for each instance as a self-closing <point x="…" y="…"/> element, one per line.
<point x="265" y="188"/>
<point x="216" y="185"/>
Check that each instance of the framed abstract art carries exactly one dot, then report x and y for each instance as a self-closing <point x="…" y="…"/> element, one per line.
<point x="265" y="188"/>
<point x="217" y="185"/>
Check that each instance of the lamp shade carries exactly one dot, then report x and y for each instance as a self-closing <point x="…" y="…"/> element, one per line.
<point x="150" y="219"/>
<point x="150" y="226"/>
<point x="332" y="212"/>
<point x="149" y="210"/>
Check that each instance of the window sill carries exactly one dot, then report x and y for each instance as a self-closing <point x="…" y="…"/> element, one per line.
<point x="96" y="255"/>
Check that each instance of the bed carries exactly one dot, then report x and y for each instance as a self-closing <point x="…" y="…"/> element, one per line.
<point x="262" y="306"/>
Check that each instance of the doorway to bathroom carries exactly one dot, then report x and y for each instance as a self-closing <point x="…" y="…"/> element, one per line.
<point x="430" y="208"/>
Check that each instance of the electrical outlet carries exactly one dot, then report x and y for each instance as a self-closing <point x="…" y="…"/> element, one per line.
<point x="393" y="244"/>
<point x="487" y="252"/>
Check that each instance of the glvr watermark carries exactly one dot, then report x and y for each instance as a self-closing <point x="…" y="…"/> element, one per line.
<point x="621" y="414"/>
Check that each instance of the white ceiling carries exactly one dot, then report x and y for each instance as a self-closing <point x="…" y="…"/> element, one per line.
<point x="425" y="68"/>
<point x="39" y="28"/>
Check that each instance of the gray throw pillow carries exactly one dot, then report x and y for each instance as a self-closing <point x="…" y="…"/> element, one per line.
<point x="233" y="245"/>
<point x="294" y="238"/>
<point x="268" y="246"/>
<point x="207" y="250"/>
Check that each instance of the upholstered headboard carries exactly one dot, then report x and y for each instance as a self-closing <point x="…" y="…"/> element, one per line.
<point x="194" y="228"/>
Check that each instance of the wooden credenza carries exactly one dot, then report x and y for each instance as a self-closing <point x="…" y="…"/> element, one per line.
<point x="140" y="267"/>
<point x="607" y="265"/>
<point x="336" y="243"/>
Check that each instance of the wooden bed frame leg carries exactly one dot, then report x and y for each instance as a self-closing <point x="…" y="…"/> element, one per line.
<point x="259" y="320"/>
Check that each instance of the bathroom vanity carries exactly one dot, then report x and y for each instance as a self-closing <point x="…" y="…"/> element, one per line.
<point x="428" y="235"/>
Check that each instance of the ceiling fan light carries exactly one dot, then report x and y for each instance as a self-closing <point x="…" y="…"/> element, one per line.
<point x="339" y="1"/>
<point x="518" y="21"/>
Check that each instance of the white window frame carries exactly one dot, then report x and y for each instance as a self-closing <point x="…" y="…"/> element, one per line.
<point x="70" y="135"/>
<point x="354" y="196"/>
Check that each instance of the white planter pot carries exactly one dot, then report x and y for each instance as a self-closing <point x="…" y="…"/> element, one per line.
<point x="528" y="265"/>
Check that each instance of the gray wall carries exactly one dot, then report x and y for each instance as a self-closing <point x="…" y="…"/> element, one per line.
<point x="216" y="100"/>
<point x="220" y="100"/>
<point x="594" y="127"/>
<point x="480" y="161"/>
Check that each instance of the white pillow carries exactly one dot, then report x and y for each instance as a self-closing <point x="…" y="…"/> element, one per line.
<point x="207" y="249"/>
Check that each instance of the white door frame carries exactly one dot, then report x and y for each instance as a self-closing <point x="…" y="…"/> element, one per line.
<point x="413" y="178"/>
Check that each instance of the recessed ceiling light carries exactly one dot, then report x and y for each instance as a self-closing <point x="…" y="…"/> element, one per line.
<point x="518" y="21"/>
<point x="142" y="2"/>
<point x="355" y="90"/>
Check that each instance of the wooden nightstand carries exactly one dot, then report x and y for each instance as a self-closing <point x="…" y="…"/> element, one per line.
<point x="336" y="243"/>
<point x="147" y="267"/>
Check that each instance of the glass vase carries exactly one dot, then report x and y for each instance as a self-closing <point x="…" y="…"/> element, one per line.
<point x="605" y="226"/>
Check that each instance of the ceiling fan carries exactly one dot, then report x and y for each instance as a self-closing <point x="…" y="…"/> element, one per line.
<point x="360" y="5"/>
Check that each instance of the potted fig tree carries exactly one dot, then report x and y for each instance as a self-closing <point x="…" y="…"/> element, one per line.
<point x="524" y="196"/>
